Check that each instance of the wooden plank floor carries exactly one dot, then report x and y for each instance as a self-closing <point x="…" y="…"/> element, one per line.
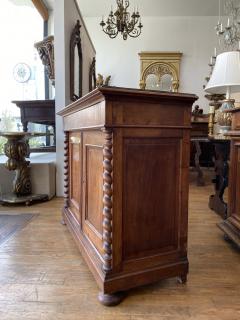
<point x="42" y="274"/>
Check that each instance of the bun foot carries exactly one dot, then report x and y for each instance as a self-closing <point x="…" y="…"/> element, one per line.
<point x="111" y="300"/>
<point x="182" y="279"/>
<point x="63" y="222"/>
<point x="226" y="238"/>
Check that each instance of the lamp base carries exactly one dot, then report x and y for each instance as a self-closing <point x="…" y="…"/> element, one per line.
<point x="224" y="129"/>
<point x="223" y="117"/>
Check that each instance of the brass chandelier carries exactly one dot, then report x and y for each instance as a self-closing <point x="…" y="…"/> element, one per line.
<point x="122" y="22"/>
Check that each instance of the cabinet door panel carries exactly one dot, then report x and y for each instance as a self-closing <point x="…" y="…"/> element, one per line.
<point x="93" y="187"/>
<point x="75" y="174"/>
<point x="151" y="196"/>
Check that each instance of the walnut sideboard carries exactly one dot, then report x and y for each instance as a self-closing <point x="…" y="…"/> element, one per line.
<point x="126" y="185"/>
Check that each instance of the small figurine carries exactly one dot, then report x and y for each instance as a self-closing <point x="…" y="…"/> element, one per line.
<point x="197" y="110"/>
<point x="101" y="82"/>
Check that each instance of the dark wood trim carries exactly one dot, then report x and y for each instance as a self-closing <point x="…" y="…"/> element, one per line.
<point x="92" y="75"/>
<point x="76" y="93"/>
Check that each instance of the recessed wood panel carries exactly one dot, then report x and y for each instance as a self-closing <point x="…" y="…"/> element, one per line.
<point x="75" y="173"/>
<point x="151" y="203"/>
<point x="94" y="186"/>
<point x="92" y="212"/>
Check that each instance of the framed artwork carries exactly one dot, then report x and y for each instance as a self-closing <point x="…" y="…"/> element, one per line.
<point x="92" y="75"/>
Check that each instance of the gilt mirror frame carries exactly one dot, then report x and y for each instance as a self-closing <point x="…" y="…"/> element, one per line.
<point x="75" y="43"/>
<point x="160" y="64"/>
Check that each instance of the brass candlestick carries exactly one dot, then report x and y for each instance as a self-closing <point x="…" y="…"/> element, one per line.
<point x="214" y="104"/>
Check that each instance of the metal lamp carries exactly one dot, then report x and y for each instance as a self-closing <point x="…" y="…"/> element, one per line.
<point x="225" y="79"/>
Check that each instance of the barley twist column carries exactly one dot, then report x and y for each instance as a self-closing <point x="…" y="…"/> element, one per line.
<point x="66" y="171"/>
<point x="107" y="200"/>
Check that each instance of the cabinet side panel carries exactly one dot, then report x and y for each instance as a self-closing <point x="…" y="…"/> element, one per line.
<point x="151" y="201"/>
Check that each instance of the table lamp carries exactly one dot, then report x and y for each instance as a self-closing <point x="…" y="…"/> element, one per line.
<point x="225" y="79"/>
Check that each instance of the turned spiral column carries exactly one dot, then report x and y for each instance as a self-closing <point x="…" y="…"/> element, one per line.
<point x="66" y="170"/>
<point x="107" y="200"/>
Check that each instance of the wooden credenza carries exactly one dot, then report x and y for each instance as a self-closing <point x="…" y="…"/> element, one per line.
<point x="231" y="225"/>
<point x="126" y="184"/>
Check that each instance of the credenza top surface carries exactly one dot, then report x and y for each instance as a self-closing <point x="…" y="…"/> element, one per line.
<point x="105" y="93"/>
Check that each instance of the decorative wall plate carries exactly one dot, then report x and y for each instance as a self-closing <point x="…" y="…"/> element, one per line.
<point x="21" y="72"/>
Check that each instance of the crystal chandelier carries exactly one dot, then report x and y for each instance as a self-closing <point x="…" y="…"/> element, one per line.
<point x="229" y="35"/>
<point x="122" y="22"/>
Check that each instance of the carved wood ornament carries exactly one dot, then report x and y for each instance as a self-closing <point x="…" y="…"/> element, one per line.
<point x="92" y="75"/>
<point x="45" y="50"/>
<point x="76" y="93"/>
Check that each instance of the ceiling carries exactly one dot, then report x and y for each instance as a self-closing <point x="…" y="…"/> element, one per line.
<point x="96" y="8"/>
<point x="49" y="4"/>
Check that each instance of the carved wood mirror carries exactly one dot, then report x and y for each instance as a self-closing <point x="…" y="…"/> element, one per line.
<point x="160" y="70"/>
<point x="76" y="63"/>
<point x="92" y="75"/>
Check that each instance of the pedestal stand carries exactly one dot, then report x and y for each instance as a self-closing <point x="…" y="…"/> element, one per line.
<point x="17" y="149"/>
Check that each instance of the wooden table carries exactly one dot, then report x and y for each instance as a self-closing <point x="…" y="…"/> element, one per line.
<point x="222" y="151"/>
<point x="201" y="148"/>
<point x="41" y="112"/>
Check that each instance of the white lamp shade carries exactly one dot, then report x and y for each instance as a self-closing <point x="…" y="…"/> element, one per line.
<point x="226" y="74"/>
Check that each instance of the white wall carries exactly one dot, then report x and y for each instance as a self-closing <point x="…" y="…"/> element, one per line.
<point x="66" y="15"/>
<point x="193" y="36"/>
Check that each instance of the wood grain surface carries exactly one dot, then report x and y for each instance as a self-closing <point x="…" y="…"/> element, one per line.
<point x="43" y="276"/>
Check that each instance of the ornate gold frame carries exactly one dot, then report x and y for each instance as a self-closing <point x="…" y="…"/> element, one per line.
<point x="160" y="63"/>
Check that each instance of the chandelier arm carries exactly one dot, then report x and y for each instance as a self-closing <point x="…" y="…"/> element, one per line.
<point x="114" y="23"/>
<point x="127" y="4"/>
<point x="111" y="35"/>
<point x="136" y="33"/>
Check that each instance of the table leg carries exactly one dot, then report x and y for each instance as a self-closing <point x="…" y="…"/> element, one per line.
<point x="200" y="178"/>
<point x="216" y="201"/>
<point x="25" y="126"/>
